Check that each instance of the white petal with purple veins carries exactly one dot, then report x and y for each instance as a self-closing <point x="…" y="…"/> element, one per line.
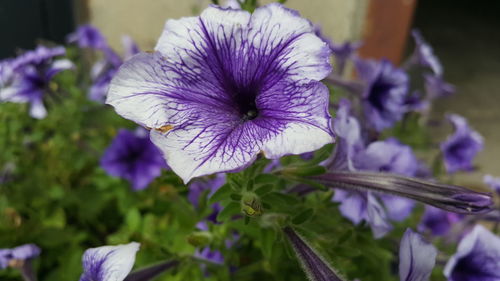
<point x="416" y="257"/>
<point x="109" y="263"/>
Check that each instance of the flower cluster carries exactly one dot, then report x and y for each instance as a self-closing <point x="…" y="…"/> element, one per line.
<point x="26" y="79"/>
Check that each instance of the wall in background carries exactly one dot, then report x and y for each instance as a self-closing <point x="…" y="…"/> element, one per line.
<point x="144" y="20"/>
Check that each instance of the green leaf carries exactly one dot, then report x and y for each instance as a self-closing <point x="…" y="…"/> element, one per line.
<point x="230" y="210"/>
<point x="221" y="194"/>
<point x="303" y="216"/>
<point x="264" y="189"/>
<point x="133" y="220"/>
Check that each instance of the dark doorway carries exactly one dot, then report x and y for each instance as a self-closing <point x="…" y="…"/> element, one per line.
<point x="24" y="22"/>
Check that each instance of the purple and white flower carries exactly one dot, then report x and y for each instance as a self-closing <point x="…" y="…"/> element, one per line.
<point x="227" y="85"/>
<point x="385" y="94"/>
<point x="133" y="157"/>
<point x="460" y="149"/>
<point x="17" y="255"/>
<point x="108" y="263"/>
<point x="390" y="156"/>
<point x="424" y="54"/>
<point x="29" y="75"/>
<point x="88" y="36"/>
<point x="477" y="257"/>
<point x="416" y="257"/>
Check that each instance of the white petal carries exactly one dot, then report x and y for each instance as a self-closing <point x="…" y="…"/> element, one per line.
<point x="109" y="263"/>
<point x="416" y="257"/>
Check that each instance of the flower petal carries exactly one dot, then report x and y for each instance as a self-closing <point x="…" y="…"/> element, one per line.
<point x="304" y="111"/>
<point x="477" y="257"/>
<point x="109" y="262"/>
<point x="416" y="257"/>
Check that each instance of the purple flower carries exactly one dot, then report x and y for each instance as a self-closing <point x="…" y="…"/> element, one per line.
<point x="437" y="221"/>
<point x="416" y="257"/>
<point x="348" y="131"/>
<point x="227" y="85"/>
<point x="313" y="264"/>
<point x="460" y="149"/>
<point x="416" y="102"/>
<point x="390" y="156"/>
<point x="18" y="254"/>
<point x="494" y="183"/>
<point x="108" y="263"/>
<point x="477" y="257"/>
<point x="355" y="205"/>
<point x="102" y="72"/>
<point x="209" y="255"/>
<point x="29" y="77"/>
<point x="385" y="94"/>
<point x="424" y="54"/>
<point x="88" y="36"/>
<point x="133" y="157"/>
<point x="436" y="87"/>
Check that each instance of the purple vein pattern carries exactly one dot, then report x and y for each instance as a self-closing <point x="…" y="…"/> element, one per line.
<point x="227" y="85"/>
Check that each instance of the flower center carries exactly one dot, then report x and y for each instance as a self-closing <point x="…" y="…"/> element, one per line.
<point x="245" y="101"/>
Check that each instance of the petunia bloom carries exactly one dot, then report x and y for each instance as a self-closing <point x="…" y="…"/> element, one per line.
<point x="356" y="206"/>
<point x="20" y="254"/>
<point x="385" y="93"/>
<point x="133" y="157"/>
<point x="108" y="263"/>
<point x="88" y="36"/>
<point x="493" y="183"/>
<point x="30" y="75"/>
<point x="437" y="221"/>
<point x="390" y="156"/>
<point x="227" y="85"/>
<point x="477" y="257"/>
<point x="416" y="257"/>
<point x="424" y="54"/>
<point x="460" y="149"/>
